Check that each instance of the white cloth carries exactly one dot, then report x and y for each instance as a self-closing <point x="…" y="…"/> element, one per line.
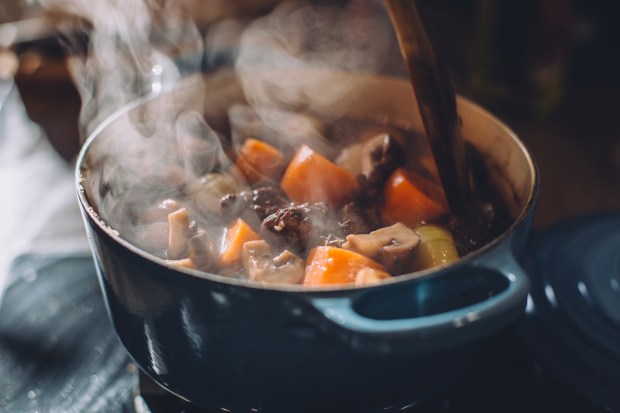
<point x="38" y="205"/>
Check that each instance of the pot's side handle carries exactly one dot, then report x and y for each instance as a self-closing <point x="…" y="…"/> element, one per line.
<point x="488" y="313"/>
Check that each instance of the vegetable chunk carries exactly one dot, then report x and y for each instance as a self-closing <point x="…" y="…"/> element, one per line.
<point x="312" y="178"/>
<point x="258" y="160"/>
<point x="332" y="265"/>
<point x="436" y="247"/>
<point x="236" y="236"/>
<point x="412" y="199"/>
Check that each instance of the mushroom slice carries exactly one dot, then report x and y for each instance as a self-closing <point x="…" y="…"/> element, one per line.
<point x="207" y="191"/>
<point x="158" y="212"/>
<point x="392" y="246"/>
<point x="370" y="276"/>
<point x="350" y="158"/>
<point x="262" y="266"/>
<point x="183" y="262"/>
<point x="201" y="250"/>
<point x="381" y="155"/>
<point x="178" y="229"/>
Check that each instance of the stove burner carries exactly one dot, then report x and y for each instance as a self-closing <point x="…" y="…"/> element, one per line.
<point x="572" y="321"/>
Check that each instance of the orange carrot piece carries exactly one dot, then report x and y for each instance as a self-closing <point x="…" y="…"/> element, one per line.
<point x="237" y="235"/>
<point x="410" y="198"/>
<point x="331" y="265"/>
<point x="258" y="160"/>
<point x="312" y="178"/>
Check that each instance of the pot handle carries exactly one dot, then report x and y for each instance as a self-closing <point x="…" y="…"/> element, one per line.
<point x="507" y="304"/>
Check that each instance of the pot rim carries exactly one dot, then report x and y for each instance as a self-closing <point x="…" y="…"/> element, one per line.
<point x="115" y="236"/>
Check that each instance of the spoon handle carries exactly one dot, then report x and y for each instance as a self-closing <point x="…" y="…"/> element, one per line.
<point x="436" y="100"/>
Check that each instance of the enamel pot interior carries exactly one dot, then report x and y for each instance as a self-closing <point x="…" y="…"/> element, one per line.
<point x="226" y="343"/>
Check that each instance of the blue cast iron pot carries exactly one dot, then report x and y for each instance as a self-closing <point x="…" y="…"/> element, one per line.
<point x="234" y="346"/>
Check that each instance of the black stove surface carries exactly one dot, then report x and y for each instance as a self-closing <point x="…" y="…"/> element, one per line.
<point x="58" y="353"/>
<point x="508" y="381"/>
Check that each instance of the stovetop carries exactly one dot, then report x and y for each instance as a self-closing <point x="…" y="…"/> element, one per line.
<point x="508" y="381"/>
<point x="58" y="353"/>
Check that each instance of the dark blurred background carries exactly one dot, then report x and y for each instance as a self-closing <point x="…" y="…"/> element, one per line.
<point x="549" y="68"/>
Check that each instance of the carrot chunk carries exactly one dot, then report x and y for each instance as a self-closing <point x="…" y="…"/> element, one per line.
<point x="312" y="178"/>
<point x="411" y="199"/>
<point x="331" y="265"/>
<point x="258" y="160"/>
<point x="237" y="235"/>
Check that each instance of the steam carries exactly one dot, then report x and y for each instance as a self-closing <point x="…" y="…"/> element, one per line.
<point x="136" y="48"/>
<point x="285" y="55"/>
<point x="131" y="52"/>
<point x="144" y="47"/>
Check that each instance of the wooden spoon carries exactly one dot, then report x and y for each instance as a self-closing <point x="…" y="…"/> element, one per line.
<point x="436" y="100"/>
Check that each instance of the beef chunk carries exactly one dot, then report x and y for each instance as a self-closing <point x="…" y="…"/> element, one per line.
<point x="298" y="226"/>
<point x="262" y="201"/>
<point x="360" y="218"/>
<point x="479" y="225"/>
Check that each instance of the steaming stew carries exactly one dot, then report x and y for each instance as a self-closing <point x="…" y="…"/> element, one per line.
<point x="355" y="209"/>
